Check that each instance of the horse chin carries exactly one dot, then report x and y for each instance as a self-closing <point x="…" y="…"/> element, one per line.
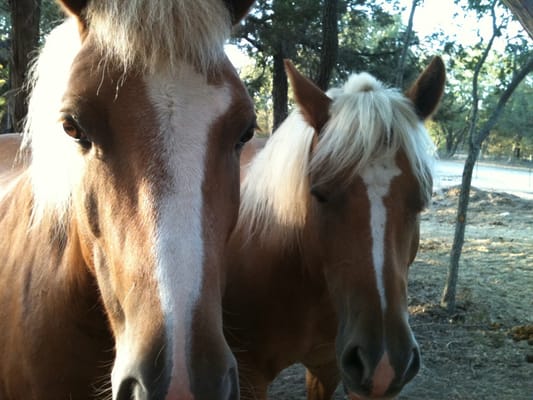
<point x="376" y="394"/>
<point x="353" y="396"/>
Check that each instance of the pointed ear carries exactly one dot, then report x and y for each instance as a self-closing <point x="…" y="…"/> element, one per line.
<point x="76" y="8"/>
<point x="427" y="91"/>
<point x="238" y="9"/>
<point x="313" y="102"/>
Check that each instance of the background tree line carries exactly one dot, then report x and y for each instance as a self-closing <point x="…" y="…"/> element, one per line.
<point x="327" y="39"/>
<point x="371" y="36"/>
<point x="23" y="25"/>
<point x="486" y="111"/>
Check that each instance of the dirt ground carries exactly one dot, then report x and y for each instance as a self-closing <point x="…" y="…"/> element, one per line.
<point x="485" y="350"/>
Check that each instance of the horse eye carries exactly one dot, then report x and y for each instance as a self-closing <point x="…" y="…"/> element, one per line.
<point x="318" y="195"/>
<point x="71" y="128"/>
<point x="247" y="136"/>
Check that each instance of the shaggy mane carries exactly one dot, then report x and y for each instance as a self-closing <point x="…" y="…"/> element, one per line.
<point x="152" y="34"/>
<point x="368" y="121"/>
<point x="55" y="162"/>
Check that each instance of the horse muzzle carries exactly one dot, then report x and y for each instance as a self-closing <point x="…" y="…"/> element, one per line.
<point x="222" y="386"/>
<point x="376" y="371"/>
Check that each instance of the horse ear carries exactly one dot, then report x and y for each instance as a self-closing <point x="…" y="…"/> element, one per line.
<point x="74" y="7"/>
<point x="313" y="102"/>
<point x="427" y="91"/>
<point x="238" y="9"/>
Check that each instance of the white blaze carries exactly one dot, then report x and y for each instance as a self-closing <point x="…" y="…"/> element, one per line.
<point x="377" y="178"/>
<point x="186" y="107"/>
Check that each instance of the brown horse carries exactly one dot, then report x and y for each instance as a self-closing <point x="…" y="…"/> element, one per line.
<point x="328" y="227"/>
<point x="110" y="252"/>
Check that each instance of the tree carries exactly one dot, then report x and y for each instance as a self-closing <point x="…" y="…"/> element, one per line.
<point x="330" y="43"/>
<point x="279" y="29"/>
<point x="515" y="125"/>
<point x="407" y="43"/>
<point x="327" y="40"/>
<point x="476" y="136"/>
<point x="50" y="16"/>
<point x="523" y="9"/>
<point x="25" y="19"/>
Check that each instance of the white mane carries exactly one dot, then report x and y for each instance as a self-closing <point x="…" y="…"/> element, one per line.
<point x="275" y="191"/>
<point x="150" y="34"/>
<point x="367" y="121"/>
<point x="56" y="162"/>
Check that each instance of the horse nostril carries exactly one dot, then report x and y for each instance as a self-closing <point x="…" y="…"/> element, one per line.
<point x="232" y="384"/>
<point x="355" y="367"/>
<point x="413" y="366"/>
<point x="127" y="388"/>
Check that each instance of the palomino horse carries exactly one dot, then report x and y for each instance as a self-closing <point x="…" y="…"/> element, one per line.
<point x="328" y="227"/>
<point x="110" y="251"/>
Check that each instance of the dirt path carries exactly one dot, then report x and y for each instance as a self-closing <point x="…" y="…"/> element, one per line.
<point x="474" y="354"/>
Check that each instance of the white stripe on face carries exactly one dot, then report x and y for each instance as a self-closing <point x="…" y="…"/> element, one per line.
<point x="186" y="107"/>
<point x="377" y="178"/>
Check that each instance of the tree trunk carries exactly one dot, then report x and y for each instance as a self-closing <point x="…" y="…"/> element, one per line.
<point x="330" y="44"/>
<point x="453" y="140"/>
<point x="448" y="299"/>
<point x="450" y="289"/>
<point x="408" y="35"/>
<point x="25" y="17"/>
<point x="523" y="10"/>
<point x="279" y="87"/>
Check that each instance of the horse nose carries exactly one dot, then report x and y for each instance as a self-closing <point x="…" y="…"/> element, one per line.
<point x="137" y="386"/>
<point x="366" y="375"/>
<point x="216" y="383"/>
<point x="357" y="367"/>
<point x="413" y="366"/>
<point x="132" y="388"/>
<point x="230" y="385"/>
<point x="129" y="389"/>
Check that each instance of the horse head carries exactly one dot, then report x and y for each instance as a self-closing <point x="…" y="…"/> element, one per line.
<point x="369" y="179"/>
<point x="137" y="156"/>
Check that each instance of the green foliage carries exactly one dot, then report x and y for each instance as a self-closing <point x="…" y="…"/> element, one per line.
<point x="370" y="39"/>
<point x="454" y="115"/>
<point x="515" y="125"/>
<point x="274" y="27"/>
<point x="51" y="15"/>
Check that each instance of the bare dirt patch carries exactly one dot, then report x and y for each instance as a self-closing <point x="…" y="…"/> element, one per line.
<point x="485" y="350"/>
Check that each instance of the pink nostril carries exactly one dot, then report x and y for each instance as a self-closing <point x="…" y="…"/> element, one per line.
<point x="383" y="376"/>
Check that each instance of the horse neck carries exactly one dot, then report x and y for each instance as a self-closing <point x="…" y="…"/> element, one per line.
<point x="49" y="307"/>
<point x="272" y="286"/>
<point x="259" y="262"/>
<point x="44" y="258"/>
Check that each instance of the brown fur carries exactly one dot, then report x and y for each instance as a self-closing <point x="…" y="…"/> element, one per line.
<point x="309" y="301"/>
<point x="72" y="284"/>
